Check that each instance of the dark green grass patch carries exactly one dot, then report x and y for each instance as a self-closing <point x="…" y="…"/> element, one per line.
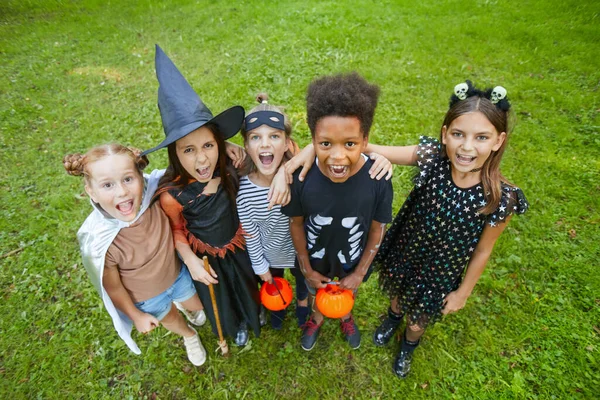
<point x="79" y="73"/>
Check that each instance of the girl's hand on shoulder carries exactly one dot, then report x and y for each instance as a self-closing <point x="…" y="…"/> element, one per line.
<point x="267" y="277"/>
<point x="381" y="167"/>
<point x="236" y="153"/>
<point x="453" y="302"/>
<point x="303" y="159"/>
<point x="279" y="192"/>
<point x="144" y="323"/>
<point x="198" y="273"/>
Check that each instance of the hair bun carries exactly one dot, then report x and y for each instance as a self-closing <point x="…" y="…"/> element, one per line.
<point x="73" y="164"/>
<point x="140" y="160"/>
<point x="262" y="98"/>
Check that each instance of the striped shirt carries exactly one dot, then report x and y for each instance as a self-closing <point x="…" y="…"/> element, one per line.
<point x="268" y="241"/>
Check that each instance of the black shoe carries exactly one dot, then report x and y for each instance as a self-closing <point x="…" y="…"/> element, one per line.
<point x="242" y="336"/>
<point x="310" y="333"/>
<point x="401" y="364"/>
<point x="350" y="330"/>
<point x="262" y="316"/>
<point x="385" y="331"/>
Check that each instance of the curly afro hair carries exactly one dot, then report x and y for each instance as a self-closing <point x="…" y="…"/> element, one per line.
<point x="344" y="95"/>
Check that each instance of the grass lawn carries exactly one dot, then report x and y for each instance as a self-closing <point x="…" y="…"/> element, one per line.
<point x="76" y="73"/>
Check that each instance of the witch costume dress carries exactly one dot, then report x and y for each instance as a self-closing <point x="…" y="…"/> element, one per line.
<point x="207" y="222"/>
<point x="430" y="242"/>
<point x="210" y="225"/>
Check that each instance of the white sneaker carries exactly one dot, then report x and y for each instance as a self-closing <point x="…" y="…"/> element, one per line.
<point x="197" y="318"/>
<point x="195" y="351"/>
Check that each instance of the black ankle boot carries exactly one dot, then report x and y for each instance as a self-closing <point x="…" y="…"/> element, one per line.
<point x="403" y="360"/>
<point x="262" y="316"/>
<point x="242" y="336"/>
<point x="386" y="330"/>
<point x="401" y="364"/>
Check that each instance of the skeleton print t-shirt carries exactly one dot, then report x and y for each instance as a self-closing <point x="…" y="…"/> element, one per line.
<point x="337" y="216"/>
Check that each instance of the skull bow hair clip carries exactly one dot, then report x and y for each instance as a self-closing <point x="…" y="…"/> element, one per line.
<point x="464" y="90"/>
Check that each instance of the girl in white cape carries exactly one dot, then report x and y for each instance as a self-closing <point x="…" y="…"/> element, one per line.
<point x="128" y="249"/>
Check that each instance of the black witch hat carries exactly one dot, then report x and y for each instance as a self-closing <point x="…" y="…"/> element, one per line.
<point x="181" y="109"/>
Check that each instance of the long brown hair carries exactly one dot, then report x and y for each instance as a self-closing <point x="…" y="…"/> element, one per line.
<point x="177" y="177"/>
<point x="262" y="98"/>
<point x="491" y="177"/>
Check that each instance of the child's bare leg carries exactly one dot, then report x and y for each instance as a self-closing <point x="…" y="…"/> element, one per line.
<point x="193" y="303"/>
<point x="395" y="306"/>
<point x="316" y="314"/>
<point x="413" y="332"/>
<point x="174" y="322"/>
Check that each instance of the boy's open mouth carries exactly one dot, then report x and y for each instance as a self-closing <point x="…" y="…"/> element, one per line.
<point x="266" y="158"/>
<point x="125" y="207"/>
<point x="203" y="173"/>
<point x="338" y="171"/>
<point x="465" y="160"/>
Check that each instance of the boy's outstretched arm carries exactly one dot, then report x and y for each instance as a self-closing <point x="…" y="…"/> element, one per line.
<point x="399" y="155"/>
<point x="315" y="279"/>
<point x="456" y="300"/>
<point x="376" y="233"/>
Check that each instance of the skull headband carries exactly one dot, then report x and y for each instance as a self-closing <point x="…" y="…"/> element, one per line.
<point x="269" y="118"/>
<point x="497" y="95"/>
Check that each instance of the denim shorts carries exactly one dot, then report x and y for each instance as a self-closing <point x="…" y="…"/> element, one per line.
<point x="181" y="290"/>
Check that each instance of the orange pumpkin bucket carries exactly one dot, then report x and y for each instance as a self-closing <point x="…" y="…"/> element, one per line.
<point x="334" y="302"/>
<point x="277" y="295"/>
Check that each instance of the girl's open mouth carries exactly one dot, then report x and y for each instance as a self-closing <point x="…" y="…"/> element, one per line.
<point x="338" y="171"/>
<point x="203" y="173"/>
<point x="266" y="159"/>
<point x="125" y="207"/>
<point x="465" y="160"/>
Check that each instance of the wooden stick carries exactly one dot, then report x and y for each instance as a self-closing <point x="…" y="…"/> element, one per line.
<point x="213" y="299"/>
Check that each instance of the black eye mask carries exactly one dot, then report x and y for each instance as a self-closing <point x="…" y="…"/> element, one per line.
<point x="270" y="118"/>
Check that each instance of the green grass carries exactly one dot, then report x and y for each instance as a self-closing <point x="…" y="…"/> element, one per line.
<point x="79" y="73"/>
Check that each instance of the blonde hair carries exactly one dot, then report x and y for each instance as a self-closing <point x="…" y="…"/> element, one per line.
<point x="76" y="164"/>
<point x="293" y="149"/>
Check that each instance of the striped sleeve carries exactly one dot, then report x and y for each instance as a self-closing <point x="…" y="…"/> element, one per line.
<point x="260" y="265"/>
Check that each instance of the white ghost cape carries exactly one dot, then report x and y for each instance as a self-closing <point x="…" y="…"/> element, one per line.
<point x="95" y="236"/>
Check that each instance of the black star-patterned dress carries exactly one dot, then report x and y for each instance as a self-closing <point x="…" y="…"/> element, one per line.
<point x="431" y="240"/>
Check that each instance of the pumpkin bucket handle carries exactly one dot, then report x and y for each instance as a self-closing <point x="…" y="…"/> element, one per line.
<point x="279" y="292"/>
